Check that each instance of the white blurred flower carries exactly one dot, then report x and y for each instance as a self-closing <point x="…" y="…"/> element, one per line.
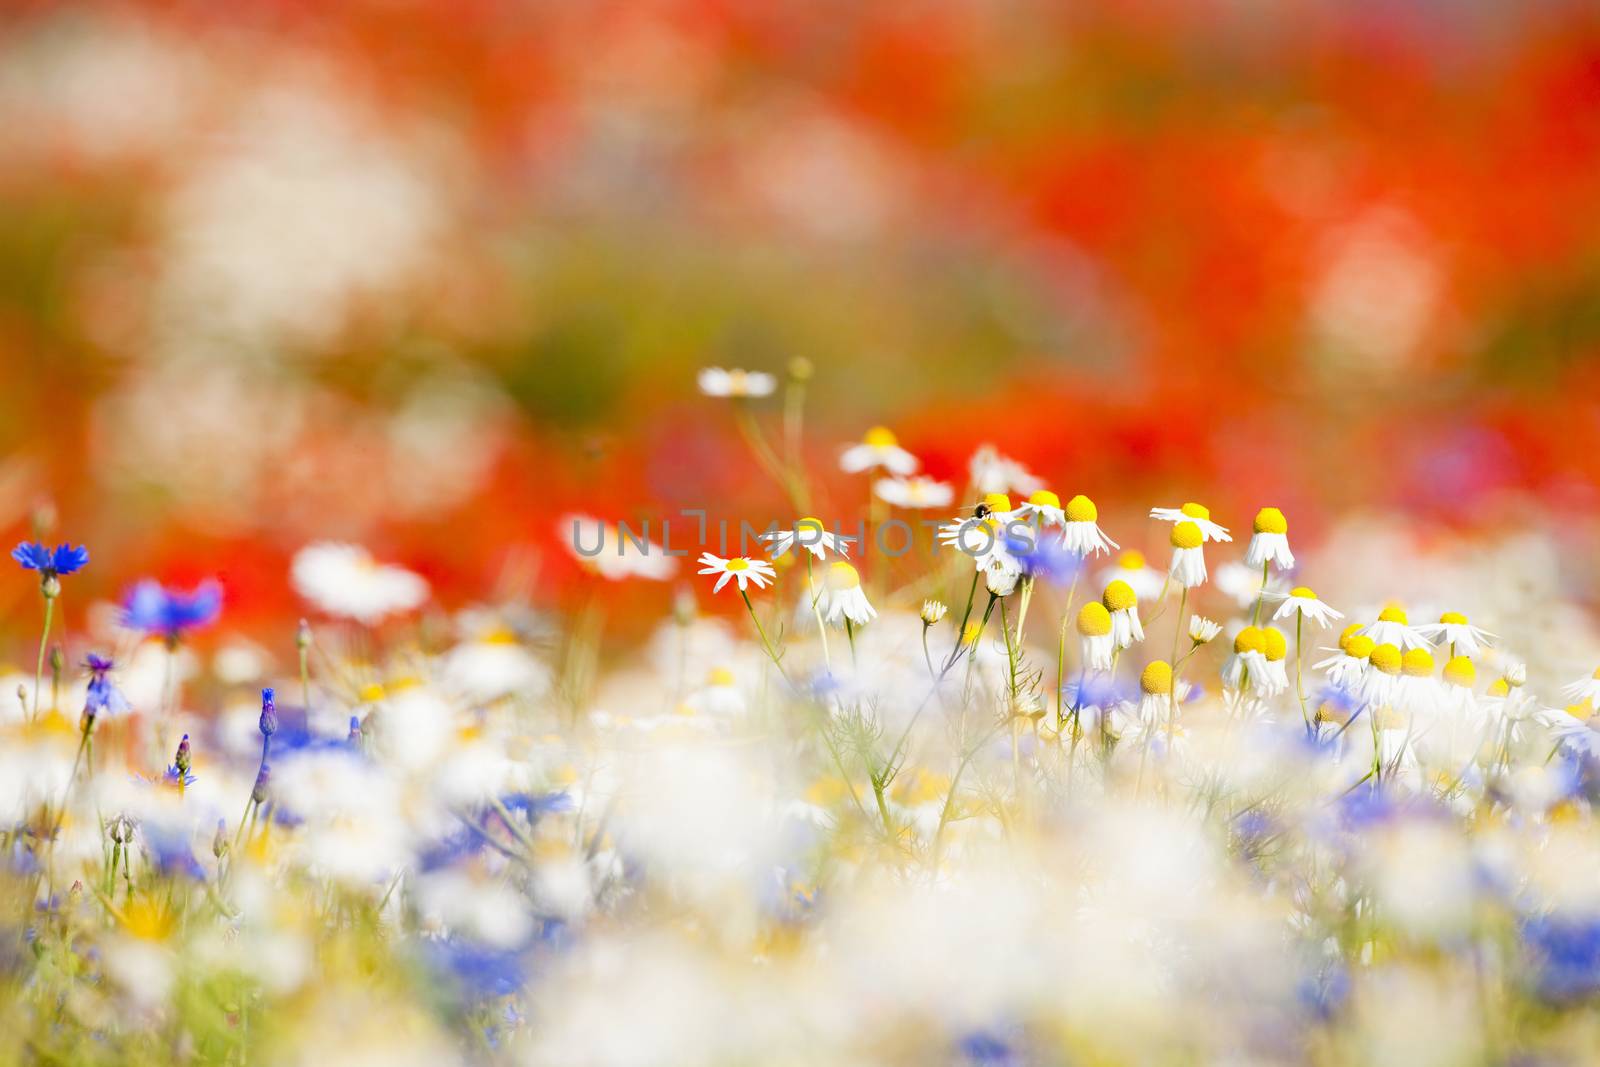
<point x="345" y="580"/>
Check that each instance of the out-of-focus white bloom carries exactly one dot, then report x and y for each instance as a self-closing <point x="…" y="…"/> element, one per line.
<point x="1303" y="601"/>
<point x="492" y="664"/>
<point x="1198" y="514"/>
<point x="1188" y="557"/>
<point x="993" y="473"/>
<point x="809" y="534"/>
<point x="742" y="569"/>
<point x="720" y="695"/>
<point x="1270" y="542"/>
<point x="613" y="553"/>
<point x="345" y="580"/>
<point x="714" y="381"/>
<point x="1394" y="628"/>
<point x="1584" y="690"/>
<point x="878" y="449"/>
<point x="843" y="598"/>
<point x="1241" y="584"/>
<point x="1456" y="633"/>
<point x="914" y="493"/>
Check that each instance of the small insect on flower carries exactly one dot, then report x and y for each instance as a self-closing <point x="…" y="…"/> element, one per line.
<point x="1120" y="600"/>
<point x="1094" y="630"/>
<point x="1188" y="557"/>
<point x="933" y="612"/>
<point x="878" y="449"/>
<point x="1394" y="628"/>
<point x="741" y="569"/>
<point x="1202" y="631"/>
<point x="809" y="534"/>
<point x="346" y="581"/>
<point x="993" y="473"/>
<point x="1198" y="514"/>
<point x="169" y="613"/>
<point x="1455" y="632"/>
<point x="1081" y="531"/>
<point x="914" y="493"/>
<point x="50" y="563"/>
<point x="844" y="598"/>
<point x="1303" y="601"/>
<point x="1270" y="542"/>
<point x="983" y="535"/>
<point x="739" y="384"/>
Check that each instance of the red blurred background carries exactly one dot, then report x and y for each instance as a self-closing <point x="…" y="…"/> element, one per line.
<point x="429" y="274"/>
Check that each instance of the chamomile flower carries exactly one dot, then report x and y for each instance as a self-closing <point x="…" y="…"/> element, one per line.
<point x="1155" y="688"/>
<point x="345" y="580"/>
<point x="993" y="473"/>
<point x="1301" y="600"/>
<point x="1120" y="600"/>
<point x="1348" y="665"/>
<point x="1202" y="631"/>
<point x="1094" y="630"/>
<point x="1188" y="557"/>
<point x="843" y="597"/>
<point x="984" y="537"/>
<point x="1275" y="649"/>
<point x="933" y="612"/>
<point x="1416" y="689"/>
<point x="1382" y="675"/>
<point x="741" y="569"/>
<point x="914" y="493"/>
<point x="714" y="381"/>
<point x="1132" y="567"/>
<point x="1248" y="663"/>
<point x="1081" y="531"/>
<point x="1045" y="507"/>
<point x="1460" y="675"/>
<point x="1586" y="690"/>
<point x="1270" y="542"/>
<point x="809" y="534"/>
<point x="1394" y="628"/>
<point x="878" y="449"/>
<point x="1456" y="633"/>
<point x="613" y="553"/>
<point x="1198" y="514"/>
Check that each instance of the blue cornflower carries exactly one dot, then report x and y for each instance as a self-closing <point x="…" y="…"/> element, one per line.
<point x="1044" y="558"/>
<point x="1564" y="953"/>
<point x="171" y="852"/>
<point x="155" y="609"/>
<point x="50" y="563"/>
<point x="178" y="773"/>
<point x="103" y="697"/>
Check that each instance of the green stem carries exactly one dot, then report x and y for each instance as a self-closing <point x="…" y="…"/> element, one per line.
<point x="38" y="671"/>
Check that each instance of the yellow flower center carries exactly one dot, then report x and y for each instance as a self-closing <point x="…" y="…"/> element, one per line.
<point x="997" y="502"/>
<point x="1303" y="592"/>
<point x="1094" y="620"/>
<point x="1360" y="646"/>
<point x="1460" y="671"/>
<point x="1271" y="521"/>
<point x="720" y="676"/>
<point x="736" y="565"/>
<point x="809" y="523"/>
<point x="1045" y="498"/>
<point x="1596" y="673"/>
<point x="1276" y="646"/>
<point x="1453" y="618"/>
<point x="1250" y="639"/>
<point x="1156" y="678"/>
<point x="1578" y="711"/>
<point x="1119" y="596"/>
<point x="1081" y="509"/>
<point x="1394" y="613"/>
<point x="1499" y="688"/>
<point x="970" y="632"/>
<point x="1131" y="560"/>
<point x="1417" y="663"/>
<point x="1196" y="511"/>
<point x="1186" y="535"/>
<point x="1346" y="634"/>
<point x="843" y="576"/>
<point x="1385" y="658"/>
<point x="880" y="437"/>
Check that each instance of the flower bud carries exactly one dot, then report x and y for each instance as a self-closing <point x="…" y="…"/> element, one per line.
<point x="258" y="792"/>
<point x="302" y="635"/>
<point x="269" y="714"/>
<point x="50" y="586"/>
<point x="933" y="612"/>
<point x="219" y="841"/>
<point x="183" y="760"/>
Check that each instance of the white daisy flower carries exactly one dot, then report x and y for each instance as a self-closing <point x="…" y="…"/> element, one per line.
<point x="933" y="612"/>
<point x="1416" y="690"/>
<point x="1584" y="689"/>
<point x="810" y="534"/>
<point x="1044" y="505"/>
<point x="993" y="473"/>
<point x="914" y="493"/>
<point x="1241" y="584"/>
<point x="1460" y="675"/>
<point x="1275" y="649"/>
<point x="1347" y="666"/>
<point x="714" y="381"/>
<point x="842" y="597"/>
<point x="1081" y="531"/>
<point x="741" y="569"/>
<point x="1094" y="631"/>
<point x="1120" y="600"/>
<point x="345" y="580"/>
<point x="1188" y="557"/>
<point x="1394" y="628"/>
<point x="1202" y="631"/>
<point x="1270" y="542"/>
<point x="1000" y="575"/>
<point x="720" y="695"/>
<point x="983" y="537"/>
<point x="1302" y="600"/>
<point x="1248" y="661"/>
<point x="1198" y="514"/>
<point x="1155" y="687"/>
<point x="878" y="448"/>
<point x="1132" y="567"/>
<point x="1382" y="675"/>
<point x="613" y="553"/>
<point x="1456" y="633"/>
